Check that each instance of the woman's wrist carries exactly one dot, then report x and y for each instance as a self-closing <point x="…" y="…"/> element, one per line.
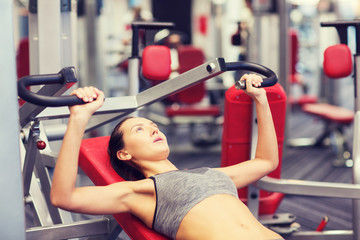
<point x="261" y="99"/>
<point x="79" y="119"/>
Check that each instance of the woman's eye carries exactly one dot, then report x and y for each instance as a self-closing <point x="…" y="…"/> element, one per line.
<point x="139" y="129"/>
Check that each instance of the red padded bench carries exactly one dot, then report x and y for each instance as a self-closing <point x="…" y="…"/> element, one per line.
<point x="94" y="161"/>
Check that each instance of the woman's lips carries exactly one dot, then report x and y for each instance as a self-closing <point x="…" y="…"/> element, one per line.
<point x="157" y="139"/>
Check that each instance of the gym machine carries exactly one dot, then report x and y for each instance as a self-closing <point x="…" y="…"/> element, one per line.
<point x="112" y="109"/>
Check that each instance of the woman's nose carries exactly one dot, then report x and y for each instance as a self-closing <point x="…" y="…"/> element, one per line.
<point x="154" y="131"/>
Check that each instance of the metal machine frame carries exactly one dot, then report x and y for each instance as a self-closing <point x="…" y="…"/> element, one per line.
<point x="11" y="201"/>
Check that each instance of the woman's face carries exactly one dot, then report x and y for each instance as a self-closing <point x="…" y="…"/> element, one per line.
<point x="143" y="140"/>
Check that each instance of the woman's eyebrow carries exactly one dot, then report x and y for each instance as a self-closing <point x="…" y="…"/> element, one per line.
<point x="154" y="124"/>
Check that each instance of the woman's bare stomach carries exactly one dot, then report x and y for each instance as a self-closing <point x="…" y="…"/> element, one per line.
<point x="222" y="217"/>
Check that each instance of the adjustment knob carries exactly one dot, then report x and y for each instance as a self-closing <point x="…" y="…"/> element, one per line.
<point x="41" y="145"/>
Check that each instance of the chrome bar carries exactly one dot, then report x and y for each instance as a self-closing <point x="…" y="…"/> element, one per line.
<point x="310" y="188"/>
<point x="72" y="230"/>
<point x="324" y="235"/>
<point x="117" y="107"/>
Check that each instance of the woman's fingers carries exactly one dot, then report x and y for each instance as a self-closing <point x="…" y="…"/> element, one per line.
<point x="252" y="80"/>
<point x="87" y="94"/>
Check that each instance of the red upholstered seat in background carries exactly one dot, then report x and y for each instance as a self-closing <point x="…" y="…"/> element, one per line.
<point x="330" y="112"/>
<point x="337" y="64"/>
<point x="94" y="161"/>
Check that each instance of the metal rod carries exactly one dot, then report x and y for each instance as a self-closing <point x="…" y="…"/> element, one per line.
<point x="128" y="104"/>
<point x="324" y="235"/>
<point x="310" y="188"/>
<point x="73" y="230"/>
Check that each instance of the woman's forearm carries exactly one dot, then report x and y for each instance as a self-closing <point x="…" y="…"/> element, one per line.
<point x="267" y="146"/>
<point x="67" y="163"/>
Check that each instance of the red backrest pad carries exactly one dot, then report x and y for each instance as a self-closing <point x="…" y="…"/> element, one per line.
<point x="337" y="61"/>
<point x="94" y="161"/>
<point x="189" y="58"/>
<point x="23" y="62"/>
<point x="156" y="63"/>
<point x="294" y="47"/>
<point x="236" y="140"/>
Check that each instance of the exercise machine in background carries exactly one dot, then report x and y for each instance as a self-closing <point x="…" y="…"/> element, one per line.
<point x="337" y="65"/>
<point x="323" y="189"/>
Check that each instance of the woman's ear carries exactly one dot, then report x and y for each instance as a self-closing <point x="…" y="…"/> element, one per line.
<point x="123" y="155"/>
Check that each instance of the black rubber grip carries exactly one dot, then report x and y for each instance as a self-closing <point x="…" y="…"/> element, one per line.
<point x="65" y="76"/>
<point x="270" y="80"/>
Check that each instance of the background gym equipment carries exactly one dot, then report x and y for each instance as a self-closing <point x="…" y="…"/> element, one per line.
<point x="126" y="105"/>
<point x="337" y="65"/>
<point x="237" y="136"/>
<point x="326" y="189"/>
<point x="295" y="78"/>
<point x="187" y="106"/>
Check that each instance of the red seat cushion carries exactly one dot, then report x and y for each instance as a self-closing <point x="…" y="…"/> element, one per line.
<point x="94" y="161"/>
<point x="330" y="112"/>
<point x="294" y="43"/>
<point x="337" y="61"/>
<point x="304" y="99"/>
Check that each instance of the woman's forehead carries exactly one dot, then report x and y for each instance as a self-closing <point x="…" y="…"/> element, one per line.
<point x="135" y="121"/>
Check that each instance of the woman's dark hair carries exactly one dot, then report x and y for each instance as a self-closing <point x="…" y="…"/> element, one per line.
<point x="125" y="169"/>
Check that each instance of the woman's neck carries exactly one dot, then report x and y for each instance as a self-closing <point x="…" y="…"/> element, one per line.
<point x="150" y="168"/>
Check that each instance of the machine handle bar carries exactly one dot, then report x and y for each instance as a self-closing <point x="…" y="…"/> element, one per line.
<point x="270" y="80"/>
<point x="68" y="76"/>
<point x="65" y="76"/>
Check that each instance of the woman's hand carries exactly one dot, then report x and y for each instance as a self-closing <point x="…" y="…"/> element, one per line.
<point x="252" y="82"/>
<point x="93" y="97"/>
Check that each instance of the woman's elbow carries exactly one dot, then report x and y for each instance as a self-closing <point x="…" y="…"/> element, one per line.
<point x="59" y="201"/>
<point x="273" y="164"/>
<point x="55" y="201"/>
<point x="270" y="165"/>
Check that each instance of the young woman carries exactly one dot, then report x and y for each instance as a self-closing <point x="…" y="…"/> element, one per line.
<point x="181" y="204"/>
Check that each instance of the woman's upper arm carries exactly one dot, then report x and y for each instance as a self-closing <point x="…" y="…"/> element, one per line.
<point x="109" y="199"/>
<point x="248" y="172"/>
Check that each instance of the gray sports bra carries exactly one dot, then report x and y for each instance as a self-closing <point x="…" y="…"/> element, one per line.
<point x="179" y="191"/>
